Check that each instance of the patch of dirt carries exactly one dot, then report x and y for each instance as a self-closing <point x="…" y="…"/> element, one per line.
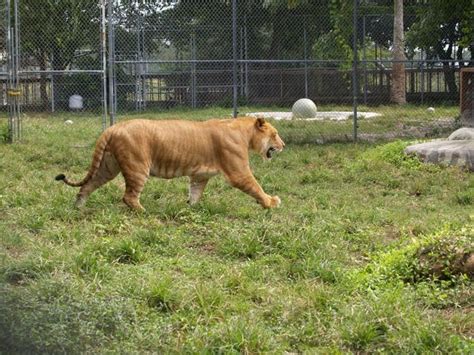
<point x="391" y="233"/>
<point x="14" y="252"/>
<point x="456" y="315"/>
<point x="203" y="247"/>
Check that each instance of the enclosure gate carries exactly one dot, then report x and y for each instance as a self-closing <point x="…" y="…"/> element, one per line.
<point x="26" y="73"/>
<point x="12" y="88"/>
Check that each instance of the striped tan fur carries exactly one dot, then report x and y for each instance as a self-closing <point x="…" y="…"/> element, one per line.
<point x="168" y="149"/>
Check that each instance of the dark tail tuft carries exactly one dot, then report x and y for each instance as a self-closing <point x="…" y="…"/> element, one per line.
<point x="60" y="177"/>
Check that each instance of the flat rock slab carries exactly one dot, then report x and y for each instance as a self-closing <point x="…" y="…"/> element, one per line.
<point x="445" y="152"/>
<point x="320" y="116"/>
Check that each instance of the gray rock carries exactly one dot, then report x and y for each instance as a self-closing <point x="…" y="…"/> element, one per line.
<point x="445" y="152"/>
<point x="462" y="134"/>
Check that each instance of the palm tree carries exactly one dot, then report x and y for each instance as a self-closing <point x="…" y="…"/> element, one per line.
<point x="397" y="92"/>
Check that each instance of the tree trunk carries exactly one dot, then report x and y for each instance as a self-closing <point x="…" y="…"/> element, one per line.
<point x="448" y="68"/>
<point x="459" y="56"/>
<point x="61" y="94"/>
<point x="471" y="49"/>
<point x="397" y="92"/>
<point x="450" y="78"/>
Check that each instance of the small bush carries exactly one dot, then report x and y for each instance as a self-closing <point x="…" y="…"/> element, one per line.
<point x="436" y="257"/>
<point x="393" y="153"/>
<point x="442" y="260"/>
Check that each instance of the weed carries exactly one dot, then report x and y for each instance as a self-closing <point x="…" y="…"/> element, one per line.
<point x="125" y="251"/>
<point x="4" y="136"/>
<point x="465" y="198"/>
<point x="90" y="262"/>
<point x="161" y="295"/>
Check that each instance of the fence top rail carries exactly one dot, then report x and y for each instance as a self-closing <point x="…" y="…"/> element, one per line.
<point x="414" y="60"/>
<point x="301" y="61"/>
<point x="151" y="61"/>
<point x="72" y="71"/>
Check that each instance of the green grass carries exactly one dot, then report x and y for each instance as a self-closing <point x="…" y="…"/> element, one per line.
<point x="336" y="269"/>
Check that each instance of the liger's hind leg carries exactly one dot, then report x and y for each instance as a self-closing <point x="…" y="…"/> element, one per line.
<point x="134" y="184"/>
<point x="196" y="188"/>
<point x="108" y="170"/>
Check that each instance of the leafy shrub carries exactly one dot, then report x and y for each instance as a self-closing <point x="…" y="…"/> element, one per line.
<point x="445" y="258"/>
<point x="393" y="153"/>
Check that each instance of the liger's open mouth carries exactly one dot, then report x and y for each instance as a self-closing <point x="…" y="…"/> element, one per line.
<point x="270" y="152"/>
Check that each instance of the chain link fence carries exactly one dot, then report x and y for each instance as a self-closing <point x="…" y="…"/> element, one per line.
<point x="53" y="56"/>
<point x="94" y="59"/>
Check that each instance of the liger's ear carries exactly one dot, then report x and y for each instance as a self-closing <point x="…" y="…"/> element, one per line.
<point x="260" y="122"/>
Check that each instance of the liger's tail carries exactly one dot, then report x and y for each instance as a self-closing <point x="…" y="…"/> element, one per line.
<point x="96" y="160"/>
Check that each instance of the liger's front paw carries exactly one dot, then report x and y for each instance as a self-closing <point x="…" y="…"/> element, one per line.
<point x="270" y="202"/>
<point x="276" y="202"/>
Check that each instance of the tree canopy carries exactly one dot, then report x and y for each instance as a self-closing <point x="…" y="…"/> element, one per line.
<point x="54" y="33"/>
<point x="54" y="30"/>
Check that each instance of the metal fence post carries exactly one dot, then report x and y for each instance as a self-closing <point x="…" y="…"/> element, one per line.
<point x="139" y="68"/>
<point x="17" y="69"/>
<point x="234" y="61"/>
<point x="305" y="39"/>
<point x="104" y="64"/>
<point x="364" y="58"/>
<point x="111" y="65"/>
<point x="13" y="89"/>
<point x="422" y="80"/>
<point x="246" y="65"/>
<point x="193" y="69"/>
<point x="354" y="70"/>
<point x="53" y="108"/>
